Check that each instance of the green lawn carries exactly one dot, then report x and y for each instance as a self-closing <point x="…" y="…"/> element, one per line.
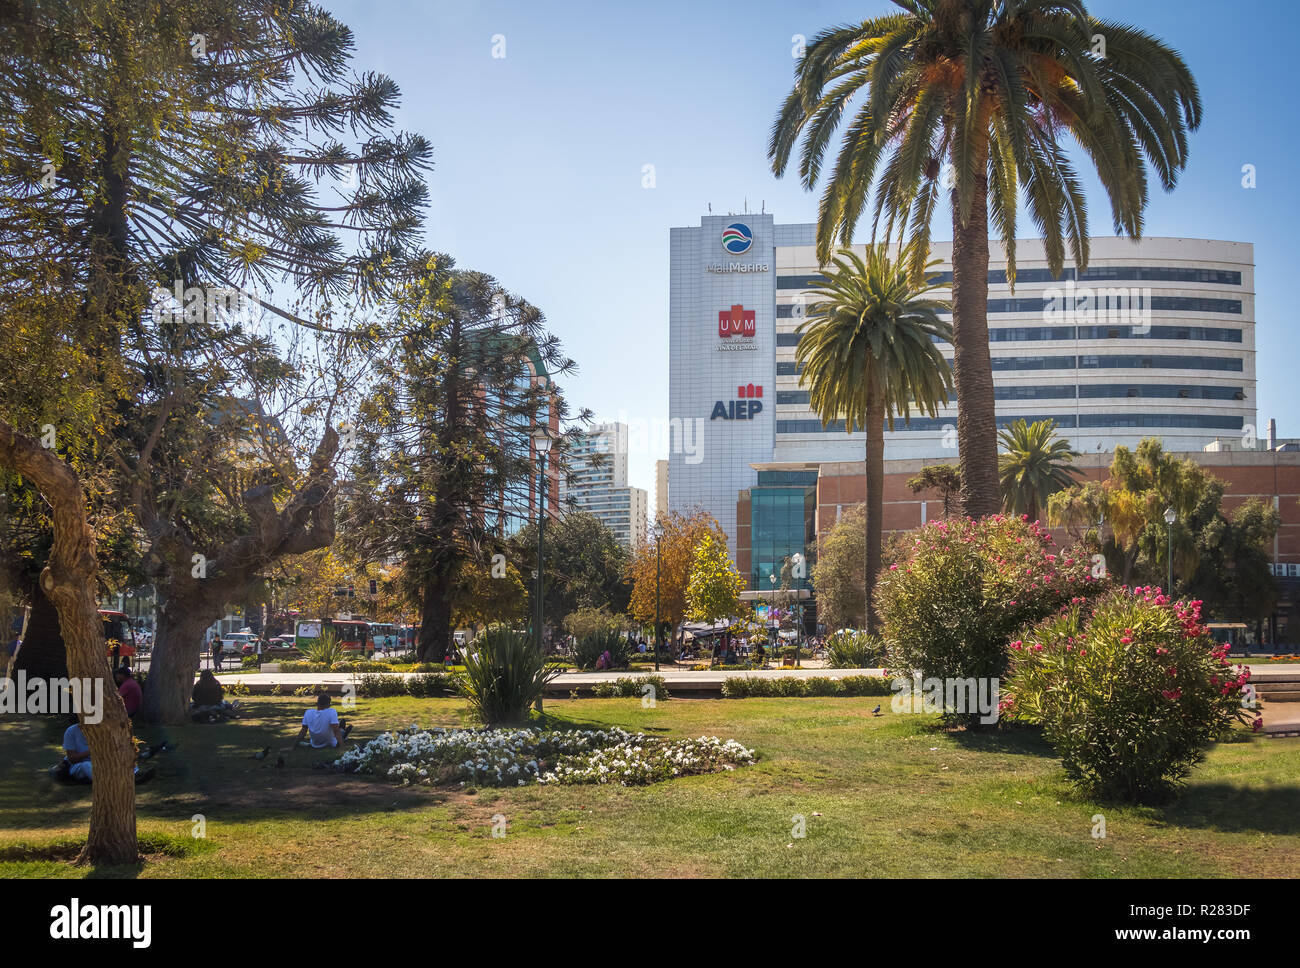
<point x="882" y="796"/>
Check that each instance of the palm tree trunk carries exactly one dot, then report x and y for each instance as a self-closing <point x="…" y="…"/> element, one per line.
<point x="875" y="473"/>
<point x="977" y="440"/>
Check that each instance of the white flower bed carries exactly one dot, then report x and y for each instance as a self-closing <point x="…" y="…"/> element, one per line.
<point x="515" y="757"/>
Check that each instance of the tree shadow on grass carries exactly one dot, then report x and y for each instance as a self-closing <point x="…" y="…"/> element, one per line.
<point x="1014" y="740"/>
<point x="1236" y="809"/>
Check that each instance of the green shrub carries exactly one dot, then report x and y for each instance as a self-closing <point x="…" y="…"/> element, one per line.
<point x="360" y="665"/>
<point x="745" y="687"/>
<point x="854" y="649"/>
<point x="593" y="645"/>
<point x="504" y="675"/>
<point x="251" y="662"/>
<point x="429" y="684"/>
<point x="1130" y="689"/>
<point x="959" y="590"/>
<point x="629" y="687"/>
<point x="373" y="686"/>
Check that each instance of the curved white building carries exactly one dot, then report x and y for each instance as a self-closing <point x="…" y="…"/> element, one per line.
<point x="1155" y="338"/>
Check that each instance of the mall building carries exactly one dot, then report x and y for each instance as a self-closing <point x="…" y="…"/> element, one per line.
<point x="1155" y="338"/>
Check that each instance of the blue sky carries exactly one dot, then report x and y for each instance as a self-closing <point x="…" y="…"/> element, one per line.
<point x="539" y="155"/>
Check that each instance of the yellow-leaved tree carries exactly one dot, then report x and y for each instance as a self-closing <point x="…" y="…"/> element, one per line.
<point x="713" y="590"/>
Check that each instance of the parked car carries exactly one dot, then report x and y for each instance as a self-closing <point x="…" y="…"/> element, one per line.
<point x="238" y="643"/>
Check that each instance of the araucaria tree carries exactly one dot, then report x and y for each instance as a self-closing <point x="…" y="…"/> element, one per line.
<point x="186" y="148"/>
<point x="983" y="97"/>
<point x="445" y="468"/>
<point x="168" y="161"/>
<point x="868" y="353"/>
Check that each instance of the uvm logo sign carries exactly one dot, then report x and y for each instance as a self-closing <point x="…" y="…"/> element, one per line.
<point x="737" y="238"/>
<point x="747" y="407"/>
<point x="737" y="321"/>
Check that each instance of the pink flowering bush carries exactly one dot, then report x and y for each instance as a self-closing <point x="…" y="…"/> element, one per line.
<point x="959" y="590"/>
<point x="1129" y="688"/>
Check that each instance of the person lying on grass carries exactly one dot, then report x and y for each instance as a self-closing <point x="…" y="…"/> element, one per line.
<point x="322" y="724"/>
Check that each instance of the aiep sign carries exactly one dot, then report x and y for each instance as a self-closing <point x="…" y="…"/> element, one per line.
<point x="747" y="407"/>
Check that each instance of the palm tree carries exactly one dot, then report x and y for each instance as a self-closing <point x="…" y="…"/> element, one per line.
<point x="990" y="86"/>
<point x="1034" y="466"/>
<point x="868" y="352"/>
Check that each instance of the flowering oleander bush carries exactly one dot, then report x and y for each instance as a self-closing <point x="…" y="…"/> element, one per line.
<point x="854" y="649"/>
<point x="959" y="590"/>
<point x="516" y="757"/>
<point x="1130" y="689"/>
<point x="745" y="687"/>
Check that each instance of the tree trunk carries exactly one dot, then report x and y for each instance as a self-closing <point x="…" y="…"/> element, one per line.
<point x="174" y="663"/>
<point x="875" y="474"/>
<point x="69" y="579"/>
<point x="43" y="653"/>
<point x="977" y="438"/>
<point x="435" y="619"/>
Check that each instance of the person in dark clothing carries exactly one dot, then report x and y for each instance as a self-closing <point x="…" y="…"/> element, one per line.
<point x="207" y="691"/>
<point x="129" y="689"/>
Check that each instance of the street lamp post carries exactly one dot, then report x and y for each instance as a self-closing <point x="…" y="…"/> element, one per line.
<point x="542" y="444"/>
<point x="659" y="533"/>
<point x="1170" y="517"/>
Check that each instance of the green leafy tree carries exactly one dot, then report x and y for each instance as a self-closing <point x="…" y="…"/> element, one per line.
<point x="838" y="574"/>
<point x="713" y="590"/>
<point x="1218" y="557"/>
<point x="585" y="564"/>
<point x="481" y="596"/>
<point x="1034" y="466"/>
<point x="979" y="97"/>
<point x="868" y="353"/>
<point x="944" y="478"/>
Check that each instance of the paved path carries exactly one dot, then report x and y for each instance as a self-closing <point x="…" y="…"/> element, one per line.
<point x="568" y="680"/>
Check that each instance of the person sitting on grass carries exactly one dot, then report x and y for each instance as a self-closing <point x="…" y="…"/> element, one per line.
<point x="323" y="725"/>
<point x="207" y="691"/>
<point x="128" y="689"/>
<point x="76" y="756"/>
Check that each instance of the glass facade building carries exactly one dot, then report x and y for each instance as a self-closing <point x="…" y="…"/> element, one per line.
<point x="783" y="541"/>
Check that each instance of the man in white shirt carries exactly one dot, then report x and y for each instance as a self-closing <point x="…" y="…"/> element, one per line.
<point x="322" y="724"/>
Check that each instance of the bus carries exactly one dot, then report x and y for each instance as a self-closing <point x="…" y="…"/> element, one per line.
<point x="406" y="636"/>
<point x="384" y="635"/>
<point x="352" y="634"/>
